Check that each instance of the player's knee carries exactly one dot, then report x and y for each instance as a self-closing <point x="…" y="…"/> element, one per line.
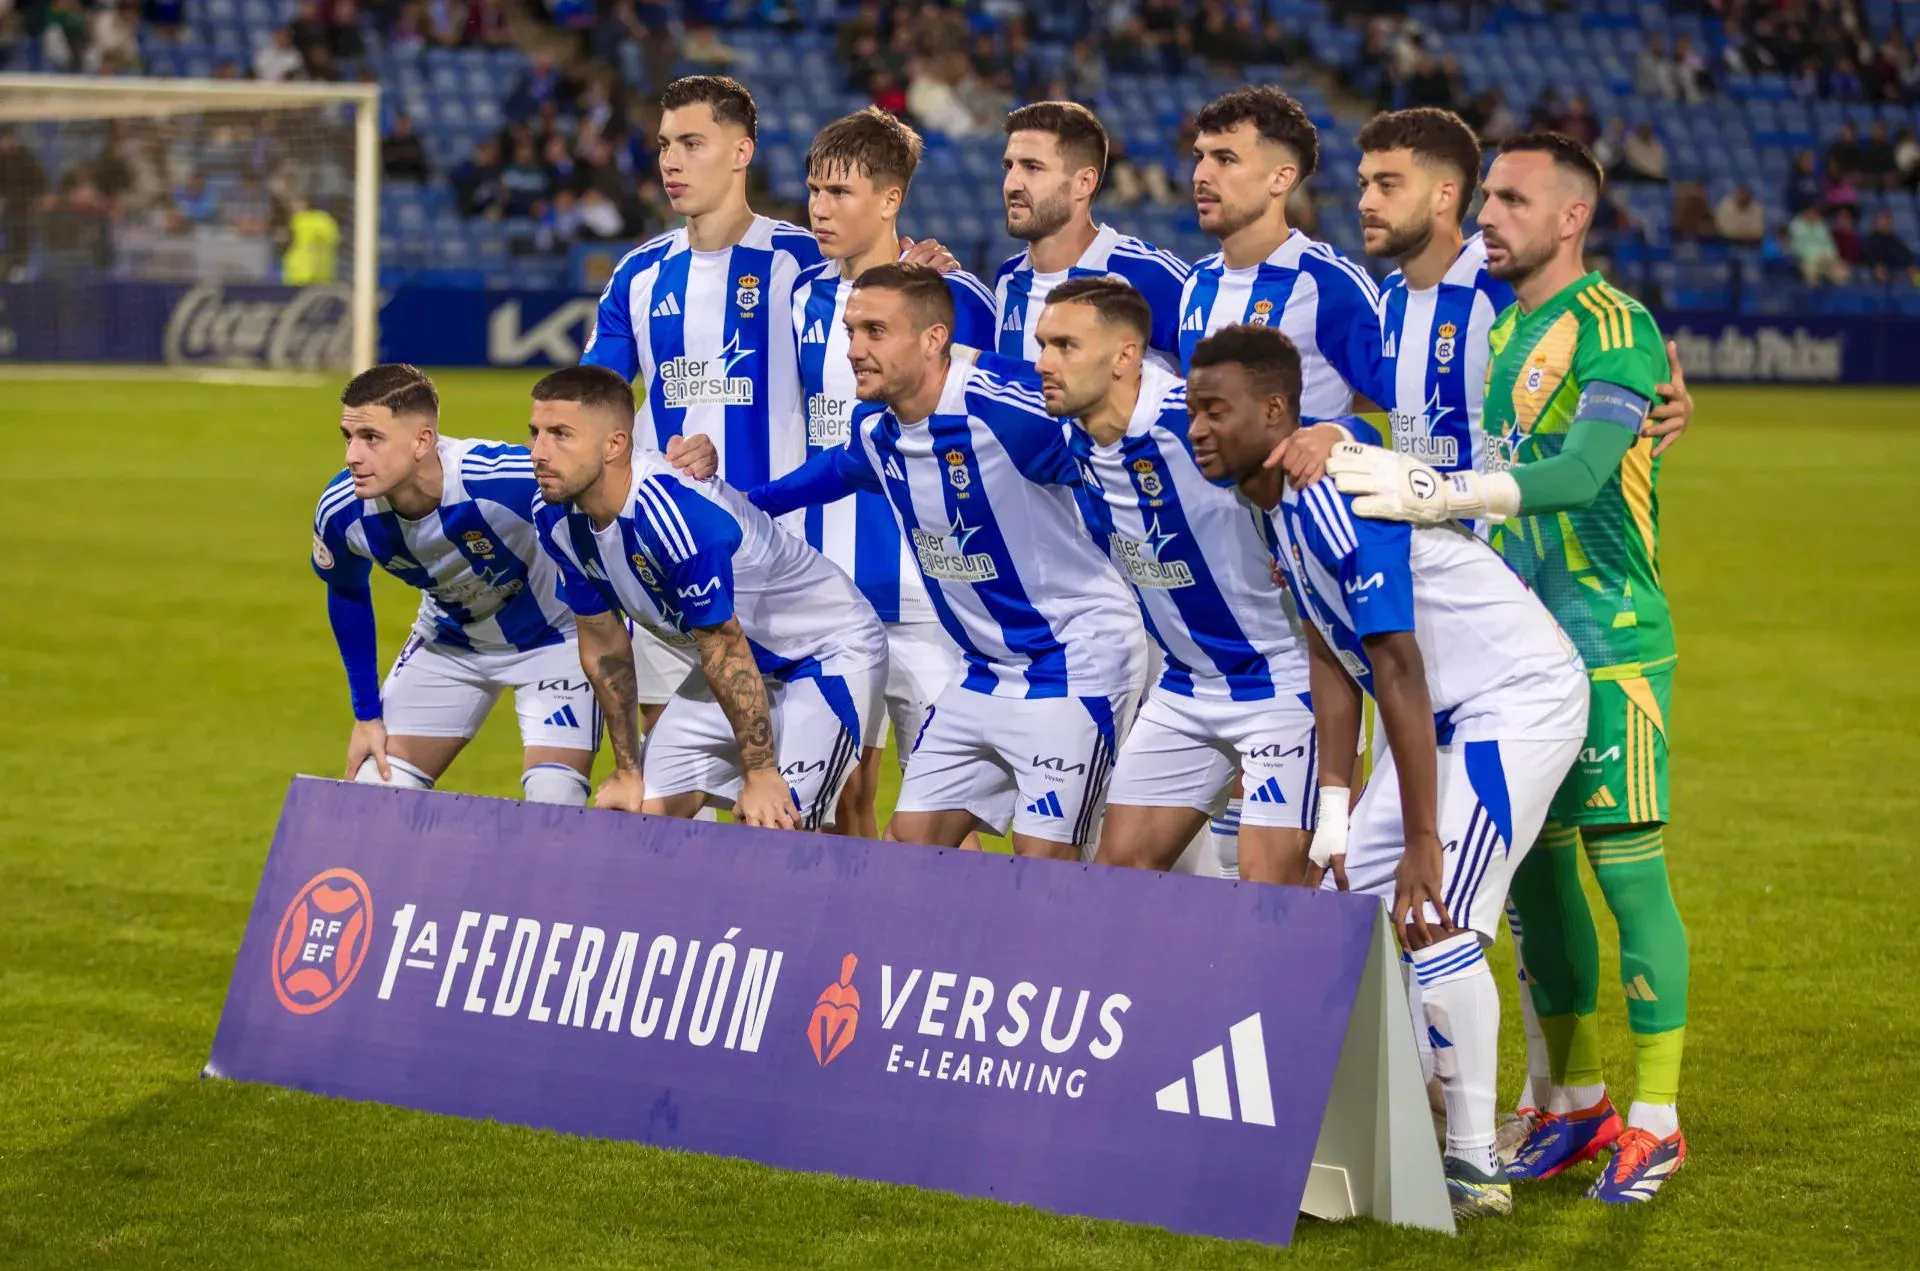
<point x="555" y="783"/>
<point x="404" y="776"/>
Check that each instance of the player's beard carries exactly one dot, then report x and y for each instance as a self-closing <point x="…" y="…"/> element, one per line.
<point x="1073" y="405"/>
<point x="1044" y="218"/>
<point x="1522" y="262"/>
<point x="1404" y="241"/>
<point x="1234" y="217"/>
<point x="563" y="489"/>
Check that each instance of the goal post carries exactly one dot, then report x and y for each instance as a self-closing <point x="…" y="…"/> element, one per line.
<point x="196" y="224"/>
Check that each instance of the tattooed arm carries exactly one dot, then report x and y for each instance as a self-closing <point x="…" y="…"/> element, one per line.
<point x="606" y="655"/>
<point x="725" y="656"/>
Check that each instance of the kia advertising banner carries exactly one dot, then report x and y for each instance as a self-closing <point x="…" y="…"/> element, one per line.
<point x="1118" y="1044"/>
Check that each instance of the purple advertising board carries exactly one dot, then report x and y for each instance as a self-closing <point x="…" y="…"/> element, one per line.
<point x="1111" y="1043"/>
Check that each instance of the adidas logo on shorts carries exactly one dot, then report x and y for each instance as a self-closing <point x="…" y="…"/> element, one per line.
<point x="1267" y="792"/>
<point x="1047" y="804"/>
<point x="562" y="718"/>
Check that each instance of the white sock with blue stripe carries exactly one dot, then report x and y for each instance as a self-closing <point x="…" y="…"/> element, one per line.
<point x="404" y="776"/>
<point x="1538" y="1088"/>
<point x="555" y="783"/>
<point x="1462" y="1005"/>
<point x="1225" y="832"/>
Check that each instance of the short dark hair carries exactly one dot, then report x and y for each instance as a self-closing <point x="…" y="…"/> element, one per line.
<point x="925" y="288"/>
<point x="1081" y="136"/>
<point x="594" y="387"/>
<point x="1434" y="136"/>
<point x="1278" y="118"/>
<point x="1566" y="153"/>
<point x="724" y="95"/>
<point x="1112" y="297"/>
<point x="871" y="142"/>
<point x="400" y="387"/>
<point x="1271" y="362"/>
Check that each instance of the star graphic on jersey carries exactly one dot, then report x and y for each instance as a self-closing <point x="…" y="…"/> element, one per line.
<point x="732" y="355"/>
<point x="1157" y="540"/>
<point x="957" y="535"/>
<point x="1434" y="411"/>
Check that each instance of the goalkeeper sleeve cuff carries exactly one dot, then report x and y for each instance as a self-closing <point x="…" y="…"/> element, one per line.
<point x="1492" y="496"/>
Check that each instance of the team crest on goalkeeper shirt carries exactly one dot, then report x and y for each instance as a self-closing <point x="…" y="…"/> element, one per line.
<point x="1547" y="368"/>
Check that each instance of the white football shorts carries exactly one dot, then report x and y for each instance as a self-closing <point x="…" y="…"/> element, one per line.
<point x="1039" y="764"/>
<point x="922" y="662"/>
<point x="1494" y="797"/>
<point x="817" y="726"/>
<point x="1184" y="752"/>
<point x="661" y="667"/>
<point x="435" y="690"/>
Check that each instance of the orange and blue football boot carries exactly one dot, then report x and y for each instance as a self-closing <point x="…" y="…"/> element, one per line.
<point x="1640" y="1166"/>
<point x="1563" y="1140"/>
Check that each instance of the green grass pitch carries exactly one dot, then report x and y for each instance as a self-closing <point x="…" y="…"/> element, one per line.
<point x="165" y="666"/>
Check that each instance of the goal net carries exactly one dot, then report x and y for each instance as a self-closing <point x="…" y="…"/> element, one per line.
<point x="188" y="223"/>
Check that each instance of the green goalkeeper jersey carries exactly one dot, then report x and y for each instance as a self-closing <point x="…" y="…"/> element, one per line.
<point x="1597" y="568"/>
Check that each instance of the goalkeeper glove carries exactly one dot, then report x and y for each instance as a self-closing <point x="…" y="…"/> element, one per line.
<point x="1394" y="487"/>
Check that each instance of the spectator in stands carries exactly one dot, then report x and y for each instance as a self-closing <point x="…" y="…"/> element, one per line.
<point x="1431" y="85"/>
<point x="1086" y="72"/>
<point x="1741" y="218"/>
<point x="1212" y="37"/>
<point x="562" y="171"/>
<point x="410" y="28"/>
<point x="1610" y="147"/>
<point x="1910" y="73"/>
<point x="165" y="15"/>
<point x="1579" y="122"/>
<point x="113" y="39"/>
<point x="476" y="182"/>
<point x="1653" y="71"/>
<point x="540" y="83"/>
<point x="1879" y="170"/>
<point x="486" y="26"/>
<point x="1844" y="154"/>
<point x="933" y="96"/>
<point x="1492" y="118"/>
<point x="278" y="62"/>
<point x="1644" y="157"/>
<point x="63" y="36"/>
<point x="1777" y="261"/>
<point x="446" y="23"/>
<point x="22" y="183"/>
<point x="1813" y="249"/>
<point x="1846" y="235"/>
<point x="112" y="171"/>
<point x="309" y="33"/>
<point x="1806" y="83"/>
<point x="1884" y="252"/>
<point x="1842" y="192"/>
<point x="402" y="157"/>
<point x="1166" y="37"/>
<point x="344" y="39"/>
<point x="248" y="210"/>
<point x="1843" y="82"/>
<point x="79" y="233"/>
<point x="1691" y="79"/>
<point x="194" y="202"/>
<point x="1693" y="214"/>
<point x="889" y="94"/>
<point x="525" y="182"/>
<point x="1804" y="187"/>
<point x="1549" y="113"/>
<point x="600" y="219"/>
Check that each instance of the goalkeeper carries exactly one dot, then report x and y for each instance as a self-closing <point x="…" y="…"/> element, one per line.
<point x="1570" y="488"/>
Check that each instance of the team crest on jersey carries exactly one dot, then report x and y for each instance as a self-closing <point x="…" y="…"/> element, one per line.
<point x="1443" y="348"/>
<point x="1149" y="479"/>
<point x="1535" y="375"/>
<point x="1262" y="313"/>
<point x="479" y="544"/>
<point x="957" y="473"/>
<point x="321" y="555"/>
<point x="748" y="296"/>
<point x="643" y="569"/>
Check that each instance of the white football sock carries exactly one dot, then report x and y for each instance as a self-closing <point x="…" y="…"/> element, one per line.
<point x="1422" y="1040"/>
<point x="707" y="814"/>
<point x="555" y="783"/>
<point x="1539" y="1084"/>
<point x="1224" y="830"/>
<point x="1463" y="1009"/>
<point x="405" y="775"/>
<point x="1566" y="1099"/>
<point x="1662" y="1120"/>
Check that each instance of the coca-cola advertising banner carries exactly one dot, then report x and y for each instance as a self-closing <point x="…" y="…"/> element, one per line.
<point x="1094" y="1041"/>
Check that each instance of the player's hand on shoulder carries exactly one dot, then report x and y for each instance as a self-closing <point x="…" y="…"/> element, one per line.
<point x="694" y="454"/>
<point x="1388" y="486"/>
<point x="1303" y="456"/>
<point x="928" y="251"/>
<point x="623" y="791"/>
<point x="766" y="802"/>
<point x="369" y="741"/>
<point x="1669" y="419"/>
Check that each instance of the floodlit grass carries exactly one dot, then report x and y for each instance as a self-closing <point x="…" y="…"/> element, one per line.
<point x="165" y="666"/>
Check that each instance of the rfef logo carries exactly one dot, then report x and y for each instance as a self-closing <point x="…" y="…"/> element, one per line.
<point x="835" y="1016"/>
<point x="323" y="939"/>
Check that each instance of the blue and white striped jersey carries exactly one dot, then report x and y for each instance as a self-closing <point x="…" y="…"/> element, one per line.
<point x="1020" y="293"/>
<point x="704" y="336"/>
<point x="1498" y="666"/>
<point x="485" y="583"/>
<point x="1327" y="305"/>
<point x="685" y="554"/>
<point x="1434" y="352"/>
<point x="986" y="491"/>
<point x="1196" y="554"/>
<point x="859" y="534"/>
